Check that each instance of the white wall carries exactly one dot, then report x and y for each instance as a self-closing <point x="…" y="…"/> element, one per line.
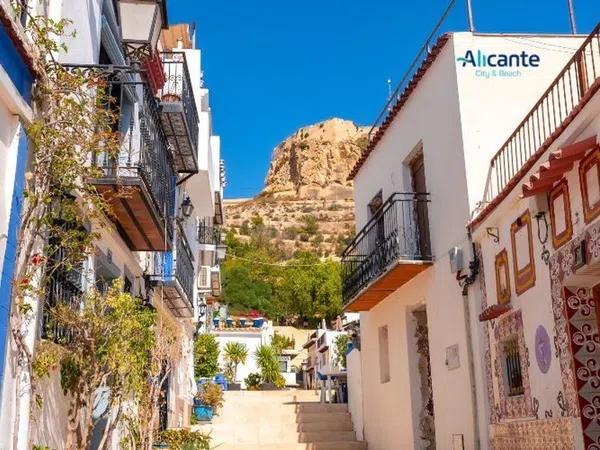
<point x="251" y="340"/>
<point x="460" y="121"/>
<point x="355" y="392"/>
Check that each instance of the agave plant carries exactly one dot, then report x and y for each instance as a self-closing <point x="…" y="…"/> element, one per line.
<point x="235" y="354"/>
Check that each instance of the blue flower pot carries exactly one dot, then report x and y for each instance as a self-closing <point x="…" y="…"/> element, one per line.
<point x="216" y="323"/>
<point x="229" y="323"/>
<point x="242" y="322"/>
<point x="258" y="323"/>
<point x="203" y="413"/>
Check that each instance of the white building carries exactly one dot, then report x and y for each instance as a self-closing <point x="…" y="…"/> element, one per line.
<point x="157" y="241"/>
<point x="414" y="187"/>
<point x="251" y="337"/>
<point x="537" y="299"/>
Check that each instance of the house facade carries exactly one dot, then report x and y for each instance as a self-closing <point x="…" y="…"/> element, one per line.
<point x="536" y="234"/>
<point x="156" y="241"/>
<point x="17" y="75"/>
<point x="409" y="267"/>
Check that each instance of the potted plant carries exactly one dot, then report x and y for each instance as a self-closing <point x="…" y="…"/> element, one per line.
<point x="235" y="354"/>
<point x="207" y="402"/>
<point x="268" y="363"/>
<point x="252" y="381"/>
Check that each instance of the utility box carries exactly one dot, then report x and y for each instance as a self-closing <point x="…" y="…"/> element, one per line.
<point x="456" y="259"/>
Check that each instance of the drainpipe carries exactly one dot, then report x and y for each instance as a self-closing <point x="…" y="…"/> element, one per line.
<point x="465" y="283"/>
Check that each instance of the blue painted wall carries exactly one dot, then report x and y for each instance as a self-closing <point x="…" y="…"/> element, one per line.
<point x="14" y="66"/>
<point x="19" y="73"/>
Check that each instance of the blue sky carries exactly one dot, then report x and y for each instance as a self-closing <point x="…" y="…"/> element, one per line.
<point x="274" y="66"/>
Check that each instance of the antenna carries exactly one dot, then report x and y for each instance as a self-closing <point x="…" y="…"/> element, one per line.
<point x="389" y="84"/>
<point x="572" y="17"/>
<point x="470" y="16"/>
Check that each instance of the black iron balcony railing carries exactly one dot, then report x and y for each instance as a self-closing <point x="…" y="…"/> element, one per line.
<point x="208" y="233"/>
<point x="64" y="287"/>
<point x="177" y="97"/>
<point x="552" y="112"/>
<point x="184" y="268"/>
<point x="398" y="231"/>
<point x="174" y="271"/>
<point x="144" y="156"/>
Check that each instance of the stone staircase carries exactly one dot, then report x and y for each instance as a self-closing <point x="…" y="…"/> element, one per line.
<point x="281" y="420"/>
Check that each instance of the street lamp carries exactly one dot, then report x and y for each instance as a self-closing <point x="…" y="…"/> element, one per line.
<point x="221" y="252"/>
<point x="141" y="22"/>
<point x="187" y="207"/>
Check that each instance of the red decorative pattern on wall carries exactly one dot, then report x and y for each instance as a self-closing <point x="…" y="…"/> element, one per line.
<point x="591" y="210"/>
<point x="560" y="191"/>
<point x="524" y="276"/>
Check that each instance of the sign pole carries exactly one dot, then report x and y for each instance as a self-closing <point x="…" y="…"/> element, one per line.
<point x="470" y="16"/>
<point x="572" y="17"/>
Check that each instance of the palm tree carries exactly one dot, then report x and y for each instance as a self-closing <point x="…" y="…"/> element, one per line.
<point x="235" y="354"/>
<point x="268" y="362"/>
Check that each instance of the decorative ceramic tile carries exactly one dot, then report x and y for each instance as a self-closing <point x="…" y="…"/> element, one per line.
<point x="502" y="278"/>
<point x="543" y="349"/>
<point x="515" y="406"/>
<point x="545" y="434"/>
<point x="589" y="178"/>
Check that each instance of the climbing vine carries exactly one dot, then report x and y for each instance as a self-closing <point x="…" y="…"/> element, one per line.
<point x="104" y="343"/>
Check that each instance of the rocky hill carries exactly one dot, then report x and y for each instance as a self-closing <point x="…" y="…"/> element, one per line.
<point x="307" y="201"/>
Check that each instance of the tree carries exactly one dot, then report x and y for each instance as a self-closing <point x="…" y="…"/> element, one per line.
<point x="341" y="346"/>
<point x="206" y="356"/>
<point x="109" y="339"/>
<point x="235" y="354"/>
<point x="72" y="122"/>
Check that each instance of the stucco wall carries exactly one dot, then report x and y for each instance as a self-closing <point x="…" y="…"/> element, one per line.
<point x="460" y="120"/>
<point x="355" y="393"/>
<point x="535" y="303"/>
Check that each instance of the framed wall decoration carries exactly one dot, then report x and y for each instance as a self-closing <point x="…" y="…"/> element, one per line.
<point x="502" y="278"/>
<point x="589" y="181"/>
<point x="522" y="252"/>
<point x="560" y="214"/>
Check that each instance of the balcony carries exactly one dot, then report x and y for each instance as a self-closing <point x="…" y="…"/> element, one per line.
<point x="391" y="249"/>
<point x="208" y="234"/>
<point x="570" y="91"/>
<point x="174" y="273"/>
<point x="139" y="184"/>
<point x="178" y="112"/>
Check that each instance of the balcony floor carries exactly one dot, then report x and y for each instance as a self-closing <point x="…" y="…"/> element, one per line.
<point x="394" y="278"/>
<point x="171" y="293"/>
<point x="174" y="123"/>
<point x="135" y="217"/>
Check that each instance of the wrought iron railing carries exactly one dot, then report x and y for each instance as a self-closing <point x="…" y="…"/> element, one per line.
<point x="398" y="231"/>
<point x="144" y="154"/>
<point x="208" y="233"/>
<point x="64" y="287"/>
<point x="401" y="87"/>
<point x="178" y="87"/>
<point x="550" y="114"/>
<point x="184" y="268"/>
<point x="176" y="267"/>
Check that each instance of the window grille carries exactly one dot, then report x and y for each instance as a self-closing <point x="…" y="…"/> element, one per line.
<point x="512" y="368"/>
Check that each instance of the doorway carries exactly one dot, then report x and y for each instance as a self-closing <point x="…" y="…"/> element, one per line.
<point x="419" y="187"/>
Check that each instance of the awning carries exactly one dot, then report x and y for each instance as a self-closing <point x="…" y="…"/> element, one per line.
<point x="559" y="163"/>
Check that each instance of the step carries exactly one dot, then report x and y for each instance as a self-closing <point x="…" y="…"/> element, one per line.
<point x="321" y="407"/>
<point x="326" y="436"/>
<point x="344" y="445"/>
<point x="322" y="417"/>
<point x="341" y="445"/>
<point x="339" y="425"/>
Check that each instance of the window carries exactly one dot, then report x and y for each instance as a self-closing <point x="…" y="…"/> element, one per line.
<point x="384" y="355"/>
<point x="513" y="377"/>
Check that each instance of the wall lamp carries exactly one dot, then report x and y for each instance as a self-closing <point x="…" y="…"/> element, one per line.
<point x="540" y="217"/>
<point x="187" y="207"/>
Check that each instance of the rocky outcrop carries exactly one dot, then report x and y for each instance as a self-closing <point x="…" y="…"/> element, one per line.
<point x="315" y="161"/>
<point x="307" y="201"/>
